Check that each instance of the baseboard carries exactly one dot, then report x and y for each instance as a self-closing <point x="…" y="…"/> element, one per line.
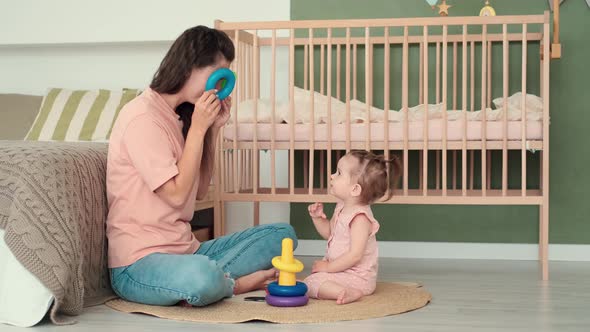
<point x="446" y="250"/>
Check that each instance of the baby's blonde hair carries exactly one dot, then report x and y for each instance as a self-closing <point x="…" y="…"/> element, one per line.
<point x="372" y="175"/>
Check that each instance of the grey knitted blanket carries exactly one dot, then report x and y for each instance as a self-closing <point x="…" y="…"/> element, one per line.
<point x="53" y="209"/>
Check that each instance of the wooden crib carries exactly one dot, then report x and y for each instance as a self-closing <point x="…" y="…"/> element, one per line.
<point x="445" y="130"/>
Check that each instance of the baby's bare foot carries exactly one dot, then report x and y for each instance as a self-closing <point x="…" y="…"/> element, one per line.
<point x="349" y="295"/>
<point x="254" y="281"/>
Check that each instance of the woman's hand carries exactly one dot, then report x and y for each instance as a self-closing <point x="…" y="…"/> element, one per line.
<point x="316" y="210"/>
<point x="224" y="114"/>
<point x="206" y="111"/>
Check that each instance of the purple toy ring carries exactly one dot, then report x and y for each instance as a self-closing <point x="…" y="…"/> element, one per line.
<point x="293" y="301"/>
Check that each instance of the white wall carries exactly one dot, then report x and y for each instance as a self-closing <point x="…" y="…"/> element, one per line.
<point x="103" y="44"/>
<point x="72" y="21"/>
<point x="114" y="44"/>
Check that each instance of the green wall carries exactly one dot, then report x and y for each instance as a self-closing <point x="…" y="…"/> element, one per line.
<point x="570" y="116"/>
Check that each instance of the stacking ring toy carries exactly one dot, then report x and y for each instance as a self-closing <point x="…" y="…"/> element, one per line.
<point x="287" y="264"/>
<point x="287" y="291"/>
<point x="227" y="85"/>
<point x="295" y="301"/>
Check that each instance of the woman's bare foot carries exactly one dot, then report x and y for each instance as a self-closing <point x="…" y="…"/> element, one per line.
<point x="254" y="281"/>
<point x="349" y="295"/>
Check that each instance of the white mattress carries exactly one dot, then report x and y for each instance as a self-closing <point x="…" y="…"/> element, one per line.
<point x="302" y="132"/>
<point x="24" y="301"/>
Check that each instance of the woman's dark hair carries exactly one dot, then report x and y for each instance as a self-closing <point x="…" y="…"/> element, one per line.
<point x="197" y="47"/>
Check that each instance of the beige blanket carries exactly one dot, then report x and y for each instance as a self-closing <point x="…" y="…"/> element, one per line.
<point x="53" y="208"/>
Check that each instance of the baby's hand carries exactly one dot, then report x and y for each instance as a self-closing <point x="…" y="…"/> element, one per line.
<point x="319" y="266"/>
<point x="316" y="210"/>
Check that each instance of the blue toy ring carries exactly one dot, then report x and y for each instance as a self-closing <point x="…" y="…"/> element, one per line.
<point x="218" y="75"/>
<point x="287" y="291"/>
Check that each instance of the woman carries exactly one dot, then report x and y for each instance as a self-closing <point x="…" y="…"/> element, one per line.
<point x="160" y="159"/>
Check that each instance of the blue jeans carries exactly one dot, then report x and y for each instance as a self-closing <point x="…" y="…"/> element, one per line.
<point x="204" y="277"/>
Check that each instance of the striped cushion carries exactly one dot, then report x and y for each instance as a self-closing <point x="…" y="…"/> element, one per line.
<point x="78" y="115"/>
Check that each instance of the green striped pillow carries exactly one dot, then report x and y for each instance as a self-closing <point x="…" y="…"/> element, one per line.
<point x="78" y="115"/>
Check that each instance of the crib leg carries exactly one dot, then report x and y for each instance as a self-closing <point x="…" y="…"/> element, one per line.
<point x="256" y="213"/>
<point x="218" y="219"/>
<point x="544" y="240"/>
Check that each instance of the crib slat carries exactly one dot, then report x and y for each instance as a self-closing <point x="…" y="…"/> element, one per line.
<point x="464" y="110"/>
<point x="305" y="169"/>
<point x="223" y="168"/>
<point x="292" y="111"/>
<point x="329" y="88"/>
<point x="437" y="167"/>
<point x="454" y="108"/>
<point x="483" y="110"/>
<point x="444" y="101"/>
<point x="355" y="70"/>
<point x="322" y="69"/>
<point x="454" y="76"/>
<point x="305" y="66"/>
<point x="237" y="91"/>
<point x="242" y="82"/>
<point x="386" y="87"/>
<point x="437" y="88"/>
<point x="421" y="76"/>
<point x="244" y="69"/>
<point x="256" y="157"/>
<point x="472" y="99"/>
<point x="273" y="65"/>
<point x="489" y="74"/>
<point x="471" y="162"/>
<point x="312" y="111"/>
<point x="523" y="118"/>
<point x="230" y="171"/>
<point x="220" y="177"/>
<point x="454" y="169"/>
<point x="405" y="65"/>
<point x="421" y="175"/>
<point x="425" y="118"/>
<point x="249" y="168"/>
<point x="338" y="69"/>
<point x="347" y="90"/>
<point x="243" y="169"/>
<point x="437" y="84"/>
<point x="489" y="169"/>
<point x="249" y="71"/>
<point x="322" y="168"/>
<point x="505" y="51"/>
<point x="368" y="89"/>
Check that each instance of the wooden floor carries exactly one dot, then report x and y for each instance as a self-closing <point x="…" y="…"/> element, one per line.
<point x="468" y="295"/>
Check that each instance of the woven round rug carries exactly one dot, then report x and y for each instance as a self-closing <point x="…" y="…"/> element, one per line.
<point x="388" y="299"/>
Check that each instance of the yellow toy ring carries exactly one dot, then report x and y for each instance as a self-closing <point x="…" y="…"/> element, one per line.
<point x="294" y="267"/>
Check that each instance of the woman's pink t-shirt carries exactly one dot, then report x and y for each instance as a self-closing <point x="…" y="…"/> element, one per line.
<point x="145" y="145"/>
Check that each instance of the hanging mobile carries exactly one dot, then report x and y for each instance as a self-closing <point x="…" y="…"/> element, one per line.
<point x="487" y="10"/>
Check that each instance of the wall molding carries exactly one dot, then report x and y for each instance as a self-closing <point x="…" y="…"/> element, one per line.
<point x="448" y="250"/>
